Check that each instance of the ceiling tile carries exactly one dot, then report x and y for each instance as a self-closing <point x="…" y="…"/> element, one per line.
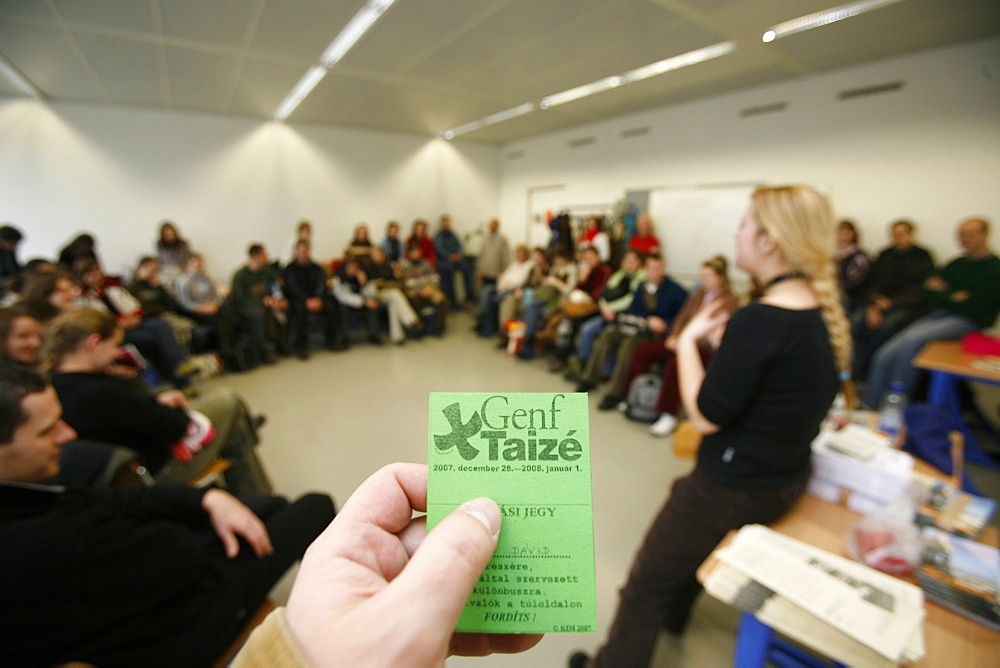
<point x="216" y="22"/>
<point x="26" y="9"/>
<point x="302" y="28"/>
<point x="413" y="29"/>
<point x="43" y="55"/>
<point x="198" y="80"/>
<point x="129" y="70"/>
<point x="262" y="86"/>
<point x="122" y="14"/>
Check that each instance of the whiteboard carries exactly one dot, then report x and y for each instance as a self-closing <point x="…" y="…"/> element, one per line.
<point x="696" y="223"/>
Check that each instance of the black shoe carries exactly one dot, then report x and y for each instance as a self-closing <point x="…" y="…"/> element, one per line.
<point x="526" y="353"/>
<point x="376" y="340"/>
<point x="584" y="386"/>
<point x="608" y="402"/>
<point x="303" y="354"/>
<point x="579" y="660"/>
<point x="259" y="421"/>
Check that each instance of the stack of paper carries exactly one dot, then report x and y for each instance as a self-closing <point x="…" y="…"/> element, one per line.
<point x="830" y="604"/>
<point x="862" y="462"/>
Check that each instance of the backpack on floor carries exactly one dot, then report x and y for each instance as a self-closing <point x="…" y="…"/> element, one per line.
<point x="643" y="394"/>
<point x="244" y="356"/>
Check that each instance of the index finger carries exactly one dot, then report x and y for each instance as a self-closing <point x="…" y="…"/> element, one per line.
<point x="388" y="498"/>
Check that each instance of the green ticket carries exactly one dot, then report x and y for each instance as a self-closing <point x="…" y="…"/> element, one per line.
<point x="531" y="454"/>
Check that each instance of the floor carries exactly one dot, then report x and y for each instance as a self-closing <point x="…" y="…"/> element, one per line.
<point x="334" y="419"/>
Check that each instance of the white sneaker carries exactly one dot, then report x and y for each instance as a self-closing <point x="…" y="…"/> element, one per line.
<point x="622" y="407"/>
<point x="664" y="426"/>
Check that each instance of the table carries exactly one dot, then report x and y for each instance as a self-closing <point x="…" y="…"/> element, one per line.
<point x="948" y="365"/>
<point x="950" y="639"/>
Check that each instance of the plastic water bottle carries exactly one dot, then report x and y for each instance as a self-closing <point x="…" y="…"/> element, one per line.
<point x="891" y="409"/>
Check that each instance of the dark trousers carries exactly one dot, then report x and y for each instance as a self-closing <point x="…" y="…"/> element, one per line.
<point x="298" y="323"/>
<point x="447" y="271"/>
<point x="247" y="578"/>
<point x="647" y="354"/>
<point x="661" y="587"/>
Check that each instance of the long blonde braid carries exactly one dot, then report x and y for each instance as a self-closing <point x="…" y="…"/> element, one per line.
<point x="801" y="221"/>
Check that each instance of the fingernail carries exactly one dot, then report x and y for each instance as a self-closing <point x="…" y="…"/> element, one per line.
<point x="486" y="511"/>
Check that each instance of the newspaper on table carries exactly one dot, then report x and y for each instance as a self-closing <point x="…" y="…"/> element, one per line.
<point x="839" y="608"/>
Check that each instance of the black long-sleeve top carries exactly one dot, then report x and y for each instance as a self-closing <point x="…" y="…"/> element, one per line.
<point x="768" y="388"/>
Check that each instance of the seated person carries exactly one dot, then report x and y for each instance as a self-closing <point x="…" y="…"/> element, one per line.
<point x="451" y="260"/>
<point x="305" y="290"/>
<point x="853" y="266"/>
<point x="358" y="296"/>
<point x="81" y="347"/>
<point x="83" y="246"/>
<point x="47" y="294"/>
<point x="893" y="295"/>
<point x="143" y="576"/>
<point x="714" y="286"/>
<point x="150" y="334"/>
<point x="173" y="252"/>
<point x="395" y="252"/>
<point x="202" y="300"/>
<point x="157" y="301"/>
<point x="20" y="336"/>
<point x="965" y="299"/>
<point x="513" y="277"/>
<point x="360" y="246"/>
<point x="519" y="302"/>
<point x="420" y="237"/>
<point x="654" y="306"/>
<point x="585" y="303"/>
<point x="403" y="320"/>
<point x="594" y="236"/>
<point x="422" y="282"/>
<point x="644" y="240"/>
<point x="260" y="304"/>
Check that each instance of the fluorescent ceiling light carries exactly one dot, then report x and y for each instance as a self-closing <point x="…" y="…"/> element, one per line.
<point x="498" y="117"/>
<point x="353" y="31"/>
<point x="607" y="83"/>
<point x="818" y="19"/>
<point x="638" y="74"/>
<point x="305" y="85"/>
<point x="18" y="80"/>
<point x="677" y="62"/>
<point x="340" y="45"/>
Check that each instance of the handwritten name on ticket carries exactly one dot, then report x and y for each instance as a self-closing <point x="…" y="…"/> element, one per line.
<point x="531" y="454"/>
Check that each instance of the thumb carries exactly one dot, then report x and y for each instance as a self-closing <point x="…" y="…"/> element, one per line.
<point x="447" y="565"/>
<point x="229" y="542"/>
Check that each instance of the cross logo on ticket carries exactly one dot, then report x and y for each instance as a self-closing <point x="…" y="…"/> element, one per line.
<point x="529" y="452"/>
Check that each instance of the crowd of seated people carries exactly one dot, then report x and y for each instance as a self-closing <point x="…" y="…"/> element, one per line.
<point x="606" y="328"/>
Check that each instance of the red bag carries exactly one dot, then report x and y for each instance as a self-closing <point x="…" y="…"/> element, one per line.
<point x="981" y="344"/>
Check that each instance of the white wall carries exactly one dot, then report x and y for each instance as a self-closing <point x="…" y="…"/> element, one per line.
<point x="225" y="182"/>
<point x="929" y="152"/>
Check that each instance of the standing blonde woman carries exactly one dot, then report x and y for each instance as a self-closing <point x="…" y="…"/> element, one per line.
<point x="759" y="404"/>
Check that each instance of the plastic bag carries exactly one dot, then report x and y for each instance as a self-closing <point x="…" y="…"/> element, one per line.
<point x="888" y="541"/>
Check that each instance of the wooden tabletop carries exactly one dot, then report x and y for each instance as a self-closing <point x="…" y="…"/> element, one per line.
<point x="950" y="639"/>
<point x="949" y="356"/>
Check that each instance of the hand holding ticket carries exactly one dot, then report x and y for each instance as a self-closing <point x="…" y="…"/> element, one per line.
<point x="531" y="454"/>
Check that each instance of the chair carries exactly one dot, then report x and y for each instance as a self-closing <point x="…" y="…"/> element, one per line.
<point x="757" y="645"/>
<point x="930" y="435"/>
<point x="214" y="473"/>
<point x="234" y="647"/>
